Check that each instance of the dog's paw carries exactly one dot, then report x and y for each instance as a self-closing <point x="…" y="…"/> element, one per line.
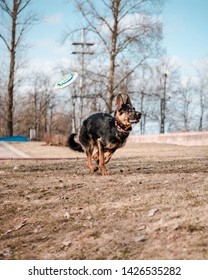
<point x="93" y="168"/>
<point x="104" y="172"/>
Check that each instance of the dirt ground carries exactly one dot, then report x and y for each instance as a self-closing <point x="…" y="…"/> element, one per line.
<point x="154" y="204"/>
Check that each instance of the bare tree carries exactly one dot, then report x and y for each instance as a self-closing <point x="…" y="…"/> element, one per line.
<point x="2" y="114"/>
<point x="127" y="31"/>
<point x="202" y="91"/>
<point x="17" y="21"/>
<point x="185" y="106"/>
<point x="156" y="86"/>
<point x="32" y="112"/>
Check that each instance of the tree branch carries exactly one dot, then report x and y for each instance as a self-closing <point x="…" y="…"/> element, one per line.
<point x="5" y="42"/>
<point x="129" y="73"/>
<point x="23" y="7"/>
<point x="94" y="29"/>
<point x="136" y="5"/>
<point x="98" y="16"/>
<point x="5" y="7"/>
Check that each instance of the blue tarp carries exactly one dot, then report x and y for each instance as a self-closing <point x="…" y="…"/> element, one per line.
<point x="18" y="138"/>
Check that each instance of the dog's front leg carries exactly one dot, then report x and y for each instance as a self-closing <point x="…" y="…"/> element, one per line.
<point x="108" y="155"/>
<point x="101" y="159"/>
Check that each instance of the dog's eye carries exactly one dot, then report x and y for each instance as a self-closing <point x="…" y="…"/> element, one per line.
<point x="126" y="109"/>
<point x="131" y="109"/>
<point x="122" y="110"/>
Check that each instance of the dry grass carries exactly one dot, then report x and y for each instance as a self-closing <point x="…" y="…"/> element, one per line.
<point x="152" y="206"/>
<point x="55" y="139"/>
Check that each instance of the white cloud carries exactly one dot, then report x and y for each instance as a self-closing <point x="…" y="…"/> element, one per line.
<point x="49" y="48"/>
<point x="54" y="19"/>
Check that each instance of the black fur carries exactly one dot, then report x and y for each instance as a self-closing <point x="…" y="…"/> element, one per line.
<point x="106" y="133"/>
<point x="101" y="125"/>
<point x="74" y="145"/>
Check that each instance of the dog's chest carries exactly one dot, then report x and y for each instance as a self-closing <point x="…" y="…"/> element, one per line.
<point x="115" y="141"/>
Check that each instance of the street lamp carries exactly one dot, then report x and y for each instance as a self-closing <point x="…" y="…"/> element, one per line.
<point x="163" y="105"/>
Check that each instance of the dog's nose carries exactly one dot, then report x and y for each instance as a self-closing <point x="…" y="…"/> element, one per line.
<point x="138" y="115"/>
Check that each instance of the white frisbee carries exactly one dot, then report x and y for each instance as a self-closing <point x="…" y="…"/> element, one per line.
<point x="66" y="80"/>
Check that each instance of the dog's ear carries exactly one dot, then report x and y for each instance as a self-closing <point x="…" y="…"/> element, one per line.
<point x="119" y="101"/>
<point x="128" y="100"/>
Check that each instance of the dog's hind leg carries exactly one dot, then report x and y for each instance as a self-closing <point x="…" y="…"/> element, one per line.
<point x="89" y="151"/>
<point x="96" y="157"/>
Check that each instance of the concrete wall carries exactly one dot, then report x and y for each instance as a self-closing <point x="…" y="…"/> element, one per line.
<point x="181" y="138"/>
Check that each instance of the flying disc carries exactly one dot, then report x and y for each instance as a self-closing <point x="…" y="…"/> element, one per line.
<point x="67" y="80"/>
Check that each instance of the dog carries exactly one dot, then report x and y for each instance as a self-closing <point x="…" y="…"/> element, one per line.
<point x="106" y="133"/>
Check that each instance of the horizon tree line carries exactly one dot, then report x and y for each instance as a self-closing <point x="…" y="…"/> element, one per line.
<point x="128" y="59"/>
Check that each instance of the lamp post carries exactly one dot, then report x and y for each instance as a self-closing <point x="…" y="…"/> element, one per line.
<point x="163" y="106"/>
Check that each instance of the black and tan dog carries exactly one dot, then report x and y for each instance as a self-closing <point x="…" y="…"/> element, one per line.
<point x="106" y="133"/>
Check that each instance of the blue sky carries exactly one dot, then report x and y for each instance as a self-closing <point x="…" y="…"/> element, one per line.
<point x="185" y="31"/>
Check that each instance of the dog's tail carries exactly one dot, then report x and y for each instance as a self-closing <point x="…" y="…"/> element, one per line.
<point x="73" y="144"/>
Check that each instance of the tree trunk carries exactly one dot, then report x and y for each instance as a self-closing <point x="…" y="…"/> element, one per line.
<point x="110" y="94"/>
<point x="201" y="112"/>
<point x="11" y="75"/>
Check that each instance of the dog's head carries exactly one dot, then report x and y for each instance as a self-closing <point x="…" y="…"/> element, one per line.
<point x="125" y="113"/>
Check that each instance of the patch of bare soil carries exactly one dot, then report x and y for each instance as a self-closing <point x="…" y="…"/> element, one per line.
<point x="152" y="206"/>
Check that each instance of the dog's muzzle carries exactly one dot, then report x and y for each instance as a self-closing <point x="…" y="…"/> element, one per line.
<point x="135" y="118"/>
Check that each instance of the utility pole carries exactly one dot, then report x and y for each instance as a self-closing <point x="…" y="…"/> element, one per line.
<point x="83" y="48"/>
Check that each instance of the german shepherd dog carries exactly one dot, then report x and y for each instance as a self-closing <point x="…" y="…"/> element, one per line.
<point x="106" y="133"/>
